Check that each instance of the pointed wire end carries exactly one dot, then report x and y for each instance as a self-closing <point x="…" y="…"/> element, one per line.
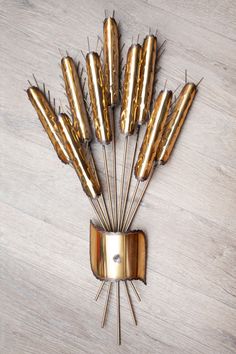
<point x="199" y="81"/>
<point x="165" y="85"/>
<point x="60" y="52"/>
<point x="176" y="89"/>
<point x="83" y="55"/>
<point x="29" y="83"/>
<point x="161" y="53"/>
<point x="35" y="80"/>
<point x="186" y="76"/>
<point x="113" y="13"/>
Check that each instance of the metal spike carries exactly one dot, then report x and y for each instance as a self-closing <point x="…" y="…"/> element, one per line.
<point x="83" y="55"/>
<point x="35" y="80"/>
<point x="185" y="76"/>
<point x="88" y="44"/>
<point x="199" y="81"/>
<point x="99" y="290"/>
<point x="104" y="316"/>
<point x="118" y="313"/>
<point x="130" y="303"/>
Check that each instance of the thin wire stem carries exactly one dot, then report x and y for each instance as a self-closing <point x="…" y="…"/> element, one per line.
<point x="108" y="183"/>
<point x="130" y="220"/>
<point x="114" y="166"/>
<point x="135" y="291"/>
<point x="131" y="204"/>
<point x="104" y="316"/>
<point x="99" y="290"/>
<point x="130" y="303"/>
<point x="97" y="213"/>
<point x="107" y="217"/>
<point x="118" y="312"/>
<point x="106" y="210"/>
<point x="102" y="213"/>
<point x="129" y="179"/>
<point x="123" y="180"/>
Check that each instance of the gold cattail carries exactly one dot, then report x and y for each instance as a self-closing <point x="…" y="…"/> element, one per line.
<point x="48" y="119"/>
<point x="98" y="99"/>
<point x="147" y="75"/>
<point x="78" y="157"/>
<point x="175" y="123"/>
<point x="130" y="90"/>
<point x="153" y="136"/>
<point x="76" y="100"/>
<point x="111" y="60"/>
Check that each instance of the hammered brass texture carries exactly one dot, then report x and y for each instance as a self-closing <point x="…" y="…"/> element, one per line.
<point x="146" y="80"/>
<point x="78" y="157"/>
<point x="111" y="59"/>
<point x="98" y="99"/>
<point x="48" y="118"/>
<point x="153" y="136"/>
<point x="130" y="90"/>
<point x="76" y="100"/>
<point x="175" y="123"/>
<point x="116" y="255"/>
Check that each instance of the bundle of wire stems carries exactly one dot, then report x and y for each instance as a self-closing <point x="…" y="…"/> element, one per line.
<point x="71" y="132"/>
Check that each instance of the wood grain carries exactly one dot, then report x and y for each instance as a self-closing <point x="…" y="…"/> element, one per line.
<point x="46" y="285"/>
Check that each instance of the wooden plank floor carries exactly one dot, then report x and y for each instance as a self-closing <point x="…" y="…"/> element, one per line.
<point x="46" y="285"/>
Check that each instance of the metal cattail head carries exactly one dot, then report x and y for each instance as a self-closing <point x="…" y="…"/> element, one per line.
<point x="76" y="100"/>
<point x="48" y="119"/>
<point x="147" y="74"/>
<point x="78" y="157"/>
<point x="98" y="98"/>
<point x="153" y="136"/>
<point x="175" y="123"/>
<point x="130" y="90"/>
<point x="111" y="59"/>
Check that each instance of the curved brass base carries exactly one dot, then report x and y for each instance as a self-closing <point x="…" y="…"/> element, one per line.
<point x="118" y="255"/>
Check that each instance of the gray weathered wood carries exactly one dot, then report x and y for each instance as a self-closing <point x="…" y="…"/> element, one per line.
<point x="46" y="286"/>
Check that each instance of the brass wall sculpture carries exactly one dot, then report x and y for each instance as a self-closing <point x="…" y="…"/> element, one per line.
<point x="118" y="254"/>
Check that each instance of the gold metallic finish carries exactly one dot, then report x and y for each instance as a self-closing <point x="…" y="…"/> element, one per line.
<point x="146" y="80"/>
<point x="117" y="255"/>
<point x="48" y="119"/>
<point x="98" y="99"/>
<point x="153" y="135"/>
<point x="130" y="90"/>
<point x="111" y="59"/>
<point x="77" y="153"/>
<point x="176" y="121"/>
<point x="76" y="100"/>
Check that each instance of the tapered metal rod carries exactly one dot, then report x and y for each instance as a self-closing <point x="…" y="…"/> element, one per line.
<point x="104" y="218"/>
<point x="97" y="213"/>
<point x="104" y="316"/>
<point x="135" y="291"/>
<point x="112" y="115"/>
<point x="129" y="179"/>
<point x="131" y="218"/>
<point x="130" y="303"/>
<point x="118" y="312"/>
<point x="99" y="290"/>
<point x="123" y="180"/>
<point x="106" y="211"/>
<point x="108" y="184"/>
<point x="131" y="204"/>
<point x="102" y="195"/>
